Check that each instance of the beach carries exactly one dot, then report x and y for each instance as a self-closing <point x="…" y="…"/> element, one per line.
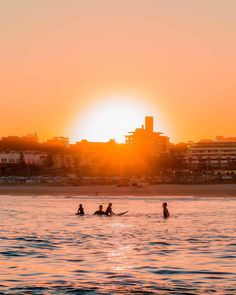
<point x="206" y="190"/>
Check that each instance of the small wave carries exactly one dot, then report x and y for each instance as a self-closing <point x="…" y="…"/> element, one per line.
<point x="130" y="289"/>
<point x="228" y="256"/>
<point x="159" y="243"/>
<point x="189" y="272"/>
<point x="11" y="253"/>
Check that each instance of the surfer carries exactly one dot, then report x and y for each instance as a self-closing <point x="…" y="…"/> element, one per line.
<point x="100" y="211"/>
<point x="80" y="210"/>
<point x="166" y="213"/>
<point x="109" y="210"/>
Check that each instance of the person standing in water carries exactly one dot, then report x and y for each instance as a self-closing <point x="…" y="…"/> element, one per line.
<point x="100" y="211"/>
<point x="166" y="213"/>
<point x="109" y="210"/>
<point x="80" y="210"/>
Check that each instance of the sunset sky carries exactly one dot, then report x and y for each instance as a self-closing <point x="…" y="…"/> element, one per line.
<point x="94" y="68"/>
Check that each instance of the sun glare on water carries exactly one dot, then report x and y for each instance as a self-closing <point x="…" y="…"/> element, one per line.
<point x="111" y="118"/>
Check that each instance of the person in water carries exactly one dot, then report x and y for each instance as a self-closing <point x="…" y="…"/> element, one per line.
<point x="109" y="210"/>
<point x="100" y="211"/>
<point x="166" y="213"/>
<point x="80" y="210"/>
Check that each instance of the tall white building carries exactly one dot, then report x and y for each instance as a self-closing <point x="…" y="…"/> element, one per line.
<point x="218" y="153"/>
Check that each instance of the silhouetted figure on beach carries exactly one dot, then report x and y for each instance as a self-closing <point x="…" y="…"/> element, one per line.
<point x="109" y="210"/>
<point x="100" y="211"/>
<point x="166" y="213"/>
<point x="80" y="210"/>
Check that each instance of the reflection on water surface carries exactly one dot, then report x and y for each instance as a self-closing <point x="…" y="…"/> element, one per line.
<point x="46" y="249"/>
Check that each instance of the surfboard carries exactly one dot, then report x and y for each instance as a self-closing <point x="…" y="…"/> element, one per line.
<point x="122" y="213"/>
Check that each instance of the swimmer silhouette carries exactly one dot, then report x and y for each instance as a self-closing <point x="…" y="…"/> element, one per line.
<point x="80" y="210"/>
<point x="166" y="213"/>
<point x="100" y="211"/>
<point x="109" y="210"/>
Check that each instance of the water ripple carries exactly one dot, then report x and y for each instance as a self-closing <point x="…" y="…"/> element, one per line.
<point x="46" y="249"/>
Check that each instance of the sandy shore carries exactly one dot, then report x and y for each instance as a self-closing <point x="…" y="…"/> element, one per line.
<point x="111" y="190"/>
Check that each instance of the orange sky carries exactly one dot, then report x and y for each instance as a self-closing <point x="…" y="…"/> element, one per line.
<point x="59" y="58"/>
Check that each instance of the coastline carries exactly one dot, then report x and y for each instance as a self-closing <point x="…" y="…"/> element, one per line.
<point x="198" y="190"/>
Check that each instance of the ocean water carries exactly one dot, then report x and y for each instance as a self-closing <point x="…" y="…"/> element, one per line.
<point x="46" y="249"/>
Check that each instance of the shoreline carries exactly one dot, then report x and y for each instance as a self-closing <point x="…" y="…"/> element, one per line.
<point x="198" y="190"/>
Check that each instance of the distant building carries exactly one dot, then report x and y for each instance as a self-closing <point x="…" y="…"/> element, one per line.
<point x="25" y="142"/>
<point x="63" y="160"/>
<point x="57" y="142"/>
<point x="213" y="154"/>
<point x="35" y="158"/>
<point x="147" y="141"/>
<point x="55" y="145"/>
<point x="97" y="156"/>
<point x="27" y="157"/>
<point x="9" y="157"/>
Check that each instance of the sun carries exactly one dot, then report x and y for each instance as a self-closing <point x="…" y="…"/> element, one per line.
<point x="110" y="118"/>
